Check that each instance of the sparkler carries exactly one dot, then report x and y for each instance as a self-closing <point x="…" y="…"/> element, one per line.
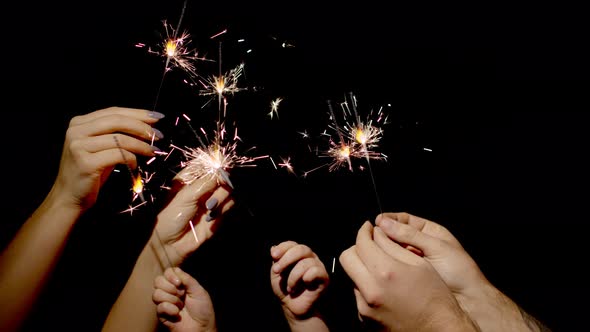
<point x="355" y="139"/>
<point x="213" y="160"/>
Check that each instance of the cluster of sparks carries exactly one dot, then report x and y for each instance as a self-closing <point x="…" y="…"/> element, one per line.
<point x="209" y="159"/>
<point x="176" y="49"/>
<point x="349" y="138"/>
<point x="356" y="138"/>
<point x="213" y="160"/>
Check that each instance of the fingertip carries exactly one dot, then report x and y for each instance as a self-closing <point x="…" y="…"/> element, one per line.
<point x="276" y="268"/>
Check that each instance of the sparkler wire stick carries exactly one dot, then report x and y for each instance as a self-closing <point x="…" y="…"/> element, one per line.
<point x="366" y="151"/>
<point x="174" y="36"/>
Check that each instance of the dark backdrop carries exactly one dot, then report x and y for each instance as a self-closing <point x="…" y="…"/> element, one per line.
<point x="487" y="135"/>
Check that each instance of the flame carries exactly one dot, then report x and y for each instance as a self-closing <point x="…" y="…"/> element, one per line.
<point x="219" y="85"/>
<point x="138" y="184"/>
<point x="344" y="151"/>
<point x="360" y="136"/>
<point x="171" y="48"/>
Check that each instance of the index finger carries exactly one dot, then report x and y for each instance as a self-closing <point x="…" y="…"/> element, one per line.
<point x="137" y="113"/>
<point x="423" y="225"/>
<point x="373" y="257"/>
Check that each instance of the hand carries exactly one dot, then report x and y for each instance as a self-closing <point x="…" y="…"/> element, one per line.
<point x="90" y="151"/>
<point x="298" y="278"/>
<point x="486" y="305"/>
<point x="398" y="289"/>
<point x="438" y="246"/>
<point x="191" y="217"/>
<point x="183" y="305"/>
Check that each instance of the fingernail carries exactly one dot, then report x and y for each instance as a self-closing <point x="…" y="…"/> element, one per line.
<point x="288" y="289"/>
<point x="158" y="133"/>
<point x="156" y="149"/>
<point x="386" y="222"/>
<point x="211" y="203"/>
<point x="156" y="115"/>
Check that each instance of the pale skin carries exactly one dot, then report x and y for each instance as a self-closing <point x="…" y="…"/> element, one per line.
<point x="89" y="155"/>
<point x="399" y="290"/>
<point x="298" y="279"/>
<point x="182" y="304"/>
<point x="172" y="241"/>
<point x="485" y="304"/>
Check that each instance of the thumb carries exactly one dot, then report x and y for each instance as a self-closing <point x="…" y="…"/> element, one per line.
<point x="406" y="234"/>
<point x="192" y="286"/>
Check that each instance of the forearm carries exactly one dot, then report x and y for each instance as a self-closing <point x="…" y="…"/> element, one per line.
<point x="495" y="311"/>
<point x="29" y="259"/>
<point x="134" y="309"/>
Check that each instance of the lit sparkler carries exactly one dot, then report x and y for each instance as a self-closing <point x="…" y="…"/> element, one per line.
<point x="214" y="160"/>
<point x="354" y="139"/>
<point x="222" y="85"/>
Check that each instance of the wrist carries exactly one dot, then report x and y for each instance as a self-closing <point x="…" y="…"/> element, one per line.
<point x="493" y="310"/>
<point x="60" y="200"/>
<point x="166" y="255"/>
<point x="312" y="321"/>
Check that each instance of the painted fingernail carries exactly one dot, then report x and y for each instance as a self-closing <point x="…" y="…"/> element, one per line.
<point x="156" y="149"/>
<point x="158" y="133"/>
<point x="211" y="203"/>
<point x="156" y="115"/>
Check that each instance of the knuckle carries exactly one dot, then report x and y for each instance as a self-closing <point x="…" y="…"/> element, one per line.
<point x="387" y="275"/>
<point x="374" y="299"/>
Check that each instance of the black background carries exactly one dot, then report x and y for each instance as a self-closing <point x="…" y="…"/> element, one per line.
<point x="497" y="93"/>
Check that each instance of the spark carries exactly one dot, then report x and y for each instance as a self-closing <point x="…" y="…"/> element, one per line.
<point x="355" y="138"/>
<point x="333" y="263"/>
<point x="176" y="48"/>
<point x="218" y="34"/>
<point x="427" y="149"/>
<point x="286" y="163"/>
<point x="222" y="85"/>
<point x="274" y="107"/>
<point x="214" y="160"/>
<point x="304" y="134"/>
<point x="193" y="230"/>
<point x="133" y="208"/>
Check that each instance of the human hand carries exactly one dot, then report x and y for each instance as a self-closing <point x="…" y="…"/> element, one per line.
<point x="398" y="289"/>
<point x="298" y="278"/>
<point x="90" y="151"/>
<point x="485" y="304"/>
<point x="182" y="304"/>
<point x="191" y="217"/>
<point x="437" y="245"/>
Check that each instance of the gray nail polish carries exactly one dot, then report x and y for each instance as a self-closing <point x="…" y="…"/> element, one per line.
<point x="211" y="203"/>
<point x="158" y="133"/>
<point x="156" y="115"/>
<point x="155" y="148"/>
